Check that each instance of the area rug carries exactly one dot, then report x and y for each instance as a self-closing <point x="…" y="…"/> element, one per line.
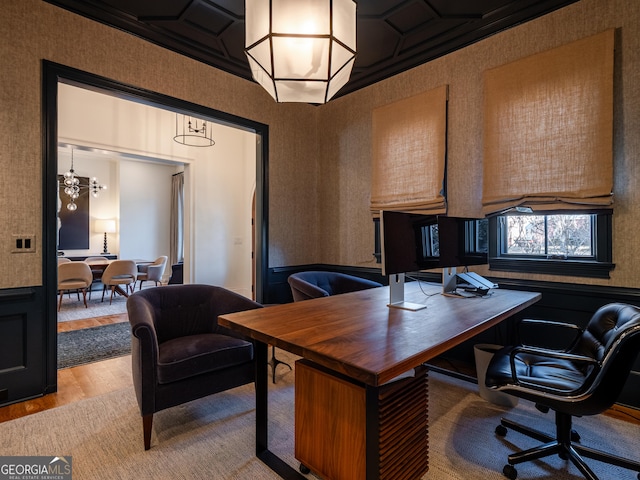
<point x="74" y="309"/>
<point x="89" y="345"/>
<point x="213" y="438"/>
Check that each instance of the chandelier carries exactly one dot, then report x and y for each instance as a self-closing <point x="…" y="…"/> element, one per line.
<point x="193" y="132"/>
<point x="301" y="51"/>
<point x="73" y="185"/>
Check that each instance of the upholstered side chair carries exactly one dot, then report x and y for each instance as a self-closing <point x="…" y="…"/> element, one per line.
<point x="314" y="284"/>
<point x="179" y="352"/>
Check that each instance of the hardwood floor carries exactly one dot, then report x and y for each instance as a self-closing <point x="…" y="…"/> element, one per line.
<point x="78" y="383"/>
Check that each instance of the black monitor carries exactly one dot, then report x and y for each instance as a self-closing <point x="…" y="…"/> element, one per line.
<point x="464" y="241"/>
<point x="409" y="242"/>
<point x="412" y="242"/>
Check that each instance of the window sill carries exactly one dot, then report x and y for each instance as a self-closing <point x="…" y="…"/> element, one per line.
<point x="571" y="268"/>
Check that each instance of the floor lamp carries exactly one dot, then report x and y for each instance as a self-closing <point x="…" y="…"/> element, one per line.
<point x="106" y="226"/>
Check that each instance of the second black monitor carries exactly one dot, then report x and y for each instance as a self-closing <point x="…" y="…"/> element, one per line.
<point x="413" y="242"/>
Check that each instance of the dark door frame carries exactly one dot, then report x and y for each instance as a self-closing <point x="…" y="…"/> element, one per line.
<point x="54" y="73"/>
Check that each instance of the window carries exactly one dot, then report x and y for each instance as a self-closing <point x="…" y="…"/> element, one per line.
<point x="430" y="241"/>
<point x="575" y="244"/>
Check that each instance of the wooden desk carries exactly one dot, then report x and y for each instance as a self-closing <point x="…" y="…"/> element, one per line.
<point x="357" y="336"/>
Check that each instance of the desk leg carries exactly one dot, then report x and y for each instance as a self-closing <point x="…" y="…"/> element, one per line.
<point x="275" y="463"/>
<point x="262" y="398"/>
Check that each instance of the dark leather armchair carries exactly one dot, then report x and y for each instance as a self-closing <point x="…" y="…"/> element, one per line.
<point x="583" y="379"/>
<point x="179" y="352"/>
<point x="315" y="284"/>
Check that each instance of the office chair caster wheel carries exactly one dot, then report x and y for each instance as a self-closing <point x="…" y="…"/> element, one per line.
<point x="501" y="430"/>
<point x="510" y="472"/>
<point x="304" y="469"/>
<point x="575" y="436"/>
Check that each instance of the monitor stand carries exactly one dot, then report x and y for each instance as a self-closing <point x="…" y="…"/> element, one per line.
<point x="396" y="294"/>
<point x="450" y="277"/>
<point x="449" y="281"/>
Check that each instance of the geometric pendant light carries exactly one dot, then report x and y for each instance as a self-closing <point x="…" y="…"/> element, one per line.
<point x="301" y="50"/>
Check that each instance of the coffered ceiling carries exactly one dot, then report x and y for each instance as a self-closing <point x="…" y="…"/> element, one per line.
<point x="392" y="35"/>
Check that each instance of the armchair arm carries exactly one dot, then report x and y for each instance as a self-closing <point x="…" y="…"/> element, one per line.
<point x="551" y="354"/>
<point x="144" y="352"/>
<point x="142" y="267"/>
<point x="309" y="290"/>
<point x="557" y="326"/>
<point x="351" y="284"/>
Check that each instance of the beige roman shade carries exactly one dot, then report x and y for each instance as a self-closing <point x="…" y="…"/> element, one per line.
<point x="409" y="151"/>
<point x="548" y="129"/>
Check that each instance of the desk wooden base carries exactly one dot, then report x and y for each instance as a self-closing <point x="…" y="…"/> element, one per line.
<point x="333" y="421"/>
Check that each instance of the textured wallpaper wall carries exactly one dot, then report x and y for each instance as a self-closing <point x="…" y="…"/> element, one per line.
<point x="345" y="126"/>
<point x="33" y="30"/>
<point x="320" y="157"/>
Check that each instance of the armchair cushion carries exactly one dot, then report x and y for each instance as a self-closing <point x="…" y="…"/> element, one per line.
<point x="185" y="357"/>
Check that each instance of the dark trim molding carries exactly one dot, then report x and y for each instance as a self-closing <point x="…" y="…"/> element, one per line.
<point x="54" y="73"/>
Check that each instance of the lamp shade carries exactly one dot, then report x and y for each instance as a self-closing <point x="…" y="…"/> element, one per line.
<point x="105" y="226"/>
<point x="301" y="50"/>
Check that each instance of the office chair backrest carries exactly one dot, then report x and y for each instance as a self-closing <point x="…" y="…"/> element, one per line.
<point x="612" y="338"/>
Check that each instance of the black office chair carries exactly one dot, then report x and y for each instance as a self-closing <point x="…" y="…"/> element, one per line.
<point x="584" y="379"/>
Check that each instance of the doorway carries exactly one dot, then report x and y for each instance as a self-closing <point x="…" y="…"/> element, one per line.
<point x="54" y="74"/>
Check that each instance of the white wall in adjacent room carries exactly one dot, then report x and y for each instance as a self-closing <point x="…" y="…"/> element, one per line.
<point x="219" y="183"/>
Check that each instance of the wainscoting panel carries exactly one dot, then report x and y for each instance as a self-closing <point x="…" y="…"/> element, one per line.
<point x="22" y="345"/>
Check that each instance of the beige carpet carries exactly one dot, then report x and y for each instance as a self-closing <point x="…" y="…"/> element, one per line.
<point x="213" y="438"/>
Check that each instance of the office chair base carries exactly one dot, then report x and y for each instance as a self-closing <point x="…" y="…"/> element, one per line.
<point x="562" y="446"/>
<point x="274" y="362"/>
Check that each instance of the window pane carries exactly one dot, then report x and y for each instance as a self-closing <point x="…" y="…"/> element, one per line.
<point x="569" y="235"/>
<point x="525" y="234"/>
<point x="556" y="235"/>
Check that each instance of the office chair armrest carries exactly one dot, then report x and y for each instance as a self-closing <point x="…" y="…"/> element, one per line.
<point x="553" y="354"/>
<point x="558" y="327"/>
<point x="553" y="323"/>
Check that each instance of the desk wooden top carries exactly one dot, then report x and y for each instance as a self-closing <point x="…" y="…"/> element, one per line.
<point x="358" y="335"/>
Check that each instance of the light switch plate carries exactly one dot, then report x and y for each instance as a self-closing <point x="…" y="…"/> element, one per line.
<point x="23" y="243"/>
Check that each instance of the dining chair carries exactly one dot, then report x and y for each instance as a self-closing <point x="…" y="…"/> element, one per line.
<point x="74" y="276"/>
<point x="96" y="271"/>
<point x="152" y="272"/>
<point x="119" y="274"/>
